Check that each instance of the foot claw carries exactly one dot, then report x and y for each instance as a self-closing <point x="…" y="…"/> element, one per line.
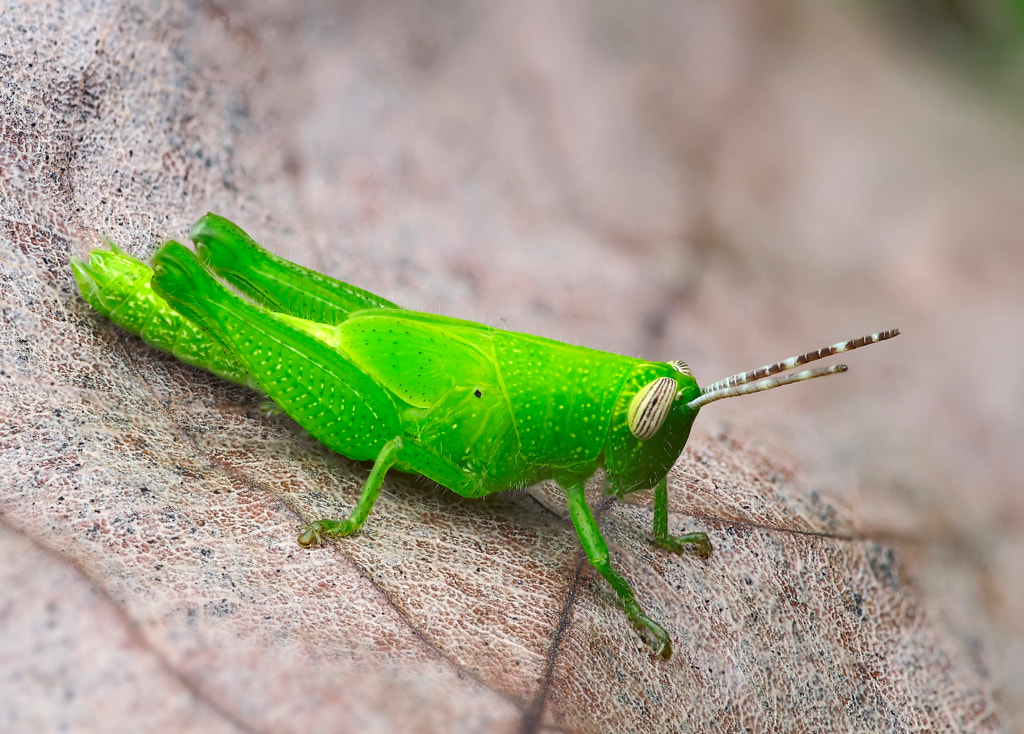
<point x="313" y="533"/>
<point x="662" y="642"/>
<point x="697" y="542"/>
<point x="309" y="535"/>
<point x="665" y="650"/>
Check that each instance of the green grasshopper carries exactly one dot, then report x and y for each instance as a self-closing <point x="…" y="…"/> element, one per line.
<point x="476" y="409"/>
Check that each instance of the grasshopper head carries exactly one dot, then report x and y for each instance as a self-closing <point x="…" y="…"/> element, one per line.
<point x="656" y="408"/>
<point x="650" y="424"/>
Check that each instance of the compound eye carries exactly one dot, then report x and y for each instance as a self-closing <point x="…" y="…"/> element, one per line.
<point x="650" y="407"/>
<point x="681" y="366"/>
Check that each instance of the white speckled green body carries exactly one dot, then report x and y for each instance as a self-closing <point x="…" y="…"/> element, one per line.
<point x="478" y="410"/>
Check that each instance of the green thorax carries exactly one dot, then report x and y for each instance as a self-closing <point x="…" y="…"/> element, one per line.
<point x="561" y="397"/>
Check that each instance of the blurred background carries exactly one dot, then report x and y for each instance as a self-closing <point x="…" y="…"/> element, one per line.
<point x="725" y="183"/>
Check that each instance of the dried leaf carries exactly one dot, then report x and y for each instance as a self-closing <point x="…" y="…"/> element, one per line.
<point x="502" y="164"/>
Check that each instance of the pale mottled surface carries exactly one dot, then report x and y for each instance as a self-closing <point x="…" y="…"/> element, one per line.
<point x="679" y="180"/>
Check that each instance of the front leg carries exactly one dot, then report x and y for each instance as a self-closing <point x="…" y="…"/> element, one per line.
<point x="676" y="543"/>
<point x="597" y="551"/>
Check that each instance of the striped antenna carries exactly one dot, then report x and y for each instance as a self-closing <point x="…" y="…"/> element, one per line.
<point x="752" y="381"/>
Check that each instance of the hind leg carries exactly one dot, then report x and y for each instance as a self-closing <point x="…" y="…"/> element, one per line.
<point x="408" y="456"/>
<point x="285" y="286"/>
<point x="315" y="384"/>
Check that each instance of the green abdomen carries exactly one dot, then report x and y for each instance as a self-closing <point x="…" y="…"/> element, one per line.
<point x="118" y="286"/>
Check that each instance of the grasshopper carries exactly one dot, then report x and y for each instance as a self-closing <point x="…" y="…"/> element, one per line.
<point x="476" y="409"/>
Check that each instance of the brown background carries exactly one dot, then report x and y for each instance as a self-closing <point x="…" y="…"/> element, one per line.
<point x="727" y="183"/>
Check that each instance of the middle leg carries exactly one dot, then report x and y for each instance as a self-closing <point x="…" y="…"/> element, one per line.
<point x="597" y="552"/>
